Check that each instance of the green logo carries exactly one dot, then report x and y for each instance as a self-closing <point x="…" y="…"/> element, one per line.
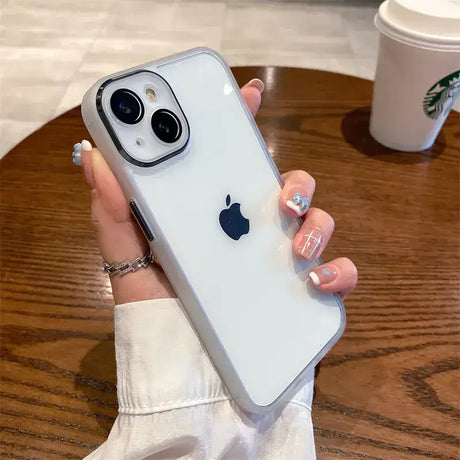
<point x="441" y="96"/>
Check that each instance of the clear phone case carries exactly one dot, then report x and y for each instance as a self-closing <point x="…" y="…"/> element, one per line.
<point x="263" y="325"/>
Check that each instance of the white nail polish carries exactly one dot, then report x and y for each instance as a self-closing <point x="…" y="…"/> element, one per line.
<point x="315" y="279"/>
<point x="259" y="84"/>
<point x="86" y="145"/>
<point x="294" y="207"/>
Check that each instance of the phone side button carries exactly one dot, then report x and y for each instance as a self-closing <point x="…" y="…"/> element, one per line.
<point x="140" y="220"/>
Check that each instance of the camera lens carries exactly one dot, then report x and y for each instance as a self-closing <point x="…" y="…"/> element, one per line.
<point x="166" y="126"/>
<point x="127" y="106"/>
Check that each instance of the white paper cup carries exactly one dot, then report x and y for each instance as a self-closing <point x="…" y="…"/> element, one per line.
<point x="418" y="71"/>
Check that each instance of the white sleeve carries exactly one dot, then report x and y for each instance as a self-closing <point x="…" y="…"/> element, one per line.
<point x="172" y="403"/>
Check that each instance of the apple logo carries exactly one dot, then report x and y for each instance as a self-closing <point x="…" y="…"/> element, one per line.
<point x="233" y="223"/>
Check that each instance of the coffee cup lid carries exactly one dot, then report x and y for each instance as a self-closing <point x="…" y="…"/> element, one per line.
<point x="424" y="23"/>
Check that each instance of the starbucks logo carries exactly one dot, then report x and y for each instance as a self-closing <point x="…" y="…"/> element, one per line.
<point x="441" y="96"/>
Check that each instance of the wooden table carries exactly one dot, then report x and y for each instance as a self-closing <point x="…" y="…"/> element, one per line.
<point x="389" y="389"/>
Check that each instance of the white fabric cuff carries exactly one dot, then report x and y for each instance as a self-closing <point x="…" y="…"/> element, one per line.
<point x="161" y="364"/>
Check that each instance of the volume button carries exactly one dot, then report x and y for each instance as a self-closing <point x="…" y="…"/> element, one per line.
<point x="140" y="220"/>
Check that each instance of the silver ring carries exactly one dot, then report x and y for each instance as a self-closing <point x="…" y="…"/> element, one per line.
<point x="127" y="266"/>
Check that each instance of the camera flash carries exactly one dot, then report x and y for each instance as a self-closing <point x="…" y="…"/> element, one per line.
<point x="140" y="141"/>
<point x="150" y="94"/>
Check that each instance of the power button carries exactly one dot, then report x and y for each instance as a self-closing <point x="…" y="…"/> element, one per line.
<point x="140" y="220"/>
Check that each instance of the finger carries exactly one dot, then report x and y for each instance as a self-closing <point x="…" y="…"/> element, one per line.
<point x="297" y="193"/>
<point x="251" y="93"/>
<point x="314" y="234"/>
<point x="339" y="276"/>
<point x="118" y="235"/>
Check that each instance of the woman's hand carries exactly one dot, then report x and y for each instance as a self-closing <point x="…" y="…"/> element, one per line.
<point x="120" y="238"/>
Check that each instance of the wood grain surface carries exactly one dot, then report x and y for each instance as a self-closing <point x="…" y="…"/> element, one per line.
<point x="388" y="390"/>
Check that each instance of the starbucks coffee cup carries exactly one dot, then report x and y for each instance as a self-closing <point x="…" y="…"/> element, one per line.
<point x="418" y="71"/>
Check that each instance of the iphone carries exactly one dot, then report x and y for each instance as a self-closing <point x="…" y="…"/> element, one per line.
<point x="203" y="187"/>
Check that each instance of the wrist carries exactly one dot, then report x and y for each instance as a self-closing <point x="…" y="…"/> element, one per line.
<point x="145" y="284"/>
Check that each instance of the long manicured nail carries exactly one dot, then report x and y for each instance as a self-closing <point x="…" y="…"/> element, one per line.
<point x="258" y="84"/>
<point x="299" y="204"/>
<point x="97" y="167"/>
<point x="87" y="163"/>
<point x="324" y="274"/>
<point x="76" y="154"/>
<point x="311" y="244"/>
<point x="86" y="145"/>
<point x="77" y="148"/>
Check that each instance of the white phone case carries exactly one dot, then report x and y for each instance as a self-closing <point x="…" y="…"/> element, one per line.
<point x="262" y="323"/>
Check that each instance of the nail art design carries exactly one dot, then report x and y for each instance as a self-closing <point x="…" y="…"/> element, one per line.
<point x="311" y="244"/>
<point x="315" y="278"/>
<point x="324" y="275"/>
<point x="76" y="154"/>
<point x="77" y="148"/>
<point x="299" y="204"/>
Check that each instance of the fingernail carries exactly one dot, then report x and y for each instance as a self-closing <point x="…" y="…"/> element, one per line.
<point x="86" y="145"/>
<point x="87" y="165"/>
<point x="97" y="166"/>
<point x="77" y="148"/>
<point x="299" y="204"/>
<point x="311" y="244"/>
<point x="259" y="84"/>
<point x="76" y="154"/>
<point x="324" y="274"/>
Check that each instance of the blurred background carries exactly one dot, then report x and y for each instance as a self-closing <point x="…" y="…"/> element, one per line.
<point x="51" y="51"/>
